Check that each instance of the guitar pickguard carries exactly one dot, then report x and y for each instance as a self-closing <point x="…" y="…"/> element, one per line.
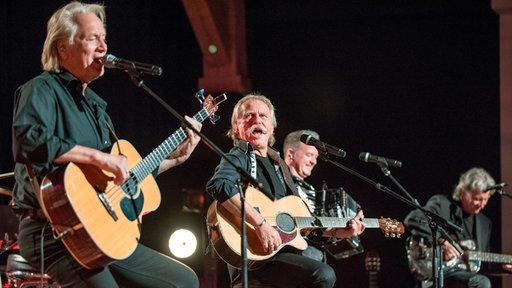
<point x="132" y="207"/>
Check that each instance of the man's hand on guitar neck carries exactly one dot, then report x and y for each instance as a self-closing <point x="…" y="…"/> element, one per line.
<point x="183" y="151"/>
<point x="355" y="227"/>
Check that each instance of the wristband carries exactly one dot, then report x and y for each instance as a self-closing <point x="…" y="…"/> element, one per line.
<point x="261" y="224"/>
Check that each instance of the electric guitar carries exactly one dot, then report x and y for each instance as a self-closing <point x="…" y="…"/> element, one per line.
<point x="420" y="256"/>
<point x="287" y="215"/>
<point x="98" y="221"/>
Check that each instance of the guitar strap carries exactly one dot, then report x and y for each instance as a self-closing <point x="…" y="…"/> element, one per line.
<point x="274" y="155"/>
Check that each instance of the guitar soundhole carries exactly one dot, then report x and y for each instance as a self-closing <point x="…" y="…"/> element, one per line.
<point x="285" y="222"/>
<point x="131" y="186"/>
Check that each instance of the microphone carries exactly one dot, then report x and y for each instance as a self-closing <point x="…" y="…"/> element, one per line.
<point x="111" y="61"/>
<point x="323" y="147"/>
<point x="367" y="157"/>
<point x="494" y="187"/>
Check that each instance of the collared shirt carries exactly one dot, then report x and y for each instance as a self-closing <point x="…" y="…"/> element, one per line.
<point x="51" y="116"/>
<point x="222" y="185"/>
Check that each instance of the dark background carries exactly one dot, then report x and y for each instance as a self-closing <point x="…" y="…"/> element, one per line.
<point x="416" y="81"/>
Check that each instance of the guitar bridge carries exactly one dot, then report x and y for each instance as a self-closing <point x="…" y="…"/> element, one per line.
<point x="108" y="206"/>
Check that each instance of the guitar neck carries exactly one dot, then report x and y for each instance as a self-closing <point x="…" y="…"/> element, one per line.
<point x="332" y="222"/>
<point x="373" y="279"/>
<point x="488" y="257"/>
<point x="153" y="159"/>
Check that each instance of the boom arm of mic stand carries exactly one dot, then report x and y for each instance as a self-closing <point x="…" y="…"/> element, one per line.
<point x="368" y="180"/>
<point x="437" y="225"/>
<point x="431" y="215"/>
<point x="413" y="203"/>
<point x="244" y="175"/>
<point x="436" y="221"/>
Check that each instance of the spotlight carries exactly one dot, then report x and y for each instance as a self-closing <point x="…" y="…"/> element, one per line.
<point x="182" y="243"/>
<point x="186" y="239"/>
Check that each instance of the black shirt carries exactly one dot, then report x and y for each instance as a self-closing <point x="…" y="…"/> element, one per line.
<point x="268" y="177"/>
<point x="51" y="116"/>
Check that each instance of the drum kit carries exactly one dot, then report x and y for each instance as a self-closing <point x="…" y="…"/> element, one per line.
<point x="15" y="271"/>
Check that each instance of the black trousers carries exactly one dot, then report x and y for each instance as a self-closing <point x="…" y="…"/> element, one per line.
<point x="144" y="268"/>
<point x="464" y="279"/>
<point x="290" y="270"/>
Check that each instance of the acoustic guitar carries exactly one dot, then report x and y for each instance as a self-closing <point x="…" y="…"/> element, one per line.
<point x="98" y="221"/>
<point x="288" y="215"/>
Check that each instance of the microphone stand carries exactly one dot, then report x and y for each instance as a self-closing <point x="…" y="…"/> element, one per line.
<point x="245" y="279"/>
<point x="436" y="229"/>
<point x="245" y="177"/>
<point x="436" y="222"/>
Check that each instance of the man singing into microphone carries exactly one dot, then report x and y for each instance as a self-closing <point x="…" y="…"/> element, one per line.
<point x="252" y="131"/>
<point x="463" y="209"/>
<point x="58" y="119"/>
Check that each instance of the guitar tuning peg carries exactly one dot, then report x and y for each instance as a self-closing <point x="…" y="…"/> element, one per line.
<point x="219" y="99"/>
<point x="200" y="95"/>
<point x="214" y="118"/>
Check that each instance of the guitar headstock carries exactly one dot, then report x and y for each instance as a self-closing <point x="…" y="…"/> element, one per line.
<point x="391" y="228"/>
<point x="210" y="104"/>
<point x="372" y="261"/>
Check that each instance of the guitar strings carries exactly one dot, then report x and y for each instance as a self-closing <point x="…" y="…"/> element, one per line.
<point x="115" y="193"/>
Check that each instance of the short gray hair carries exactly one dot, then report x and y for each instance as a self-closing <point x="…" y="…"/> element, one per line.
<point x="472" y="180"/>
<point x="292" y="140"/>
<point x="62" y="26"/>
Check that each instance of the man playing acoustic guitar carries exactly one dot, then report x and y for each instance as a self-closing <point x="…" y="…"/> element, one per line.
<point x="252" y="130"/>
<point x="59" y="122"/>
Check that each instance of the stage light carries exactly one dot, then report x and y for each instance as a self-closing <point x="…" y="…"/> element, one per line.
<point x="182" y="243"/>
<point x="186" y="239"/>
<point x="180" y="234"/>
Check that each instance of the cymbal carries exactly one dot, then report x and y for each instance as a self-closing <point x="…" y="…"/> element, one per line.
<point x="6" y="192"/>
